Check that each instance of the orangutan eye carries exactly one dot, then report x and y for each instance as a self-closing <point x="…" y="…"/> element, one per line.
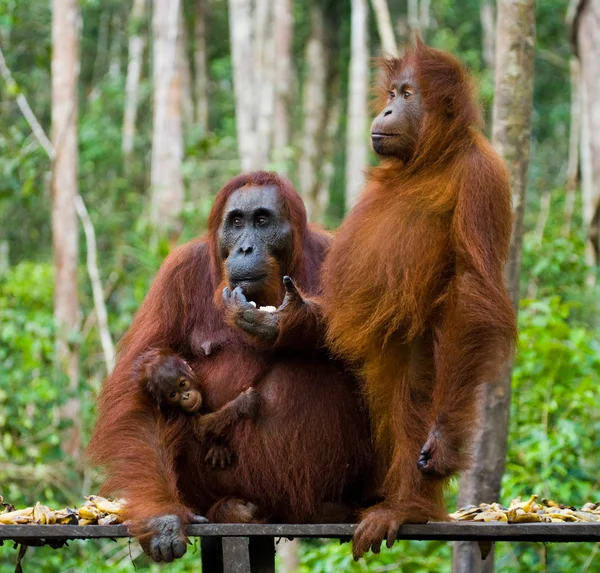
<point x="262" y="221"/>
<point x="391" y="95"/>
<point x="237" y="221"/>
<point x="182" y="383"/>
<point x="406" y="94"/>
<point x="173" y="395"/>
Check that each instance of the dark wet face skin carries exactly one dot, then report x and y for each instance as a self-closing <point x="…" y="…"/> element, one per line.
<point x="255" y="239"/>
<point x="395" y="130"/>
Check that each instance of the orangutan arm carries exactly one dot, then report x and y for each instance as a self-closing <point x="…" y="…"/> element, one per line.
<point x="134" y="444"/>
<point x="478" y="327"/>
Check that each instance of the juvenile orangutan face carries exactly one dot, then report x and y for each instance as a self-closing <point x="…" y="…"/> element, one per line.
<point x="177" y="388"/>
<point x="183" y="395"/>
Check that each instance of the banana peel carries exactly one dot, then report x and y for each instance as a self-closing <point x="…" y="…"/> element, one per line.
<point x="532" y="510"/>
<point x="96" y="510"/>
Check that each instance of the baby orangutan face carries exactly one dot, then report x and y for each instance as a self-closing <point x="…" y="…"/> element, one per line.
<point x="181" y="394"/>
<point x="171" y="381"/>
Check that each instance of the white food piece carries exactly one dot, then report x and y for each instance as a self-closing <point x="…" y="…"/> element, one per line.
<point x="267" y="308"/>
<point x="252" y="303"/>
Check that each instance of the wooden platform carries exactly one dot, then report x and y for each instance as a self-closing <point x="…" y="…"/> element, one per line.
<point x="239" y="548"/>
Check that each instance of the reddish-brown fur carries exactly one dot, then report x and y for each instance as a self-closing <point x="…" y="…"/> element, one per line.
<point x="414" y="294"/>
<point x="211" y="428"/>
<point x="310" y="441"/>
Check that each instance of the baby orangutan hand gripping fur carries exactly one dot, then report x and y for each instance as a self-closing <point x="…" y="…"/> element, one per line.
<point x="172" y="384"/>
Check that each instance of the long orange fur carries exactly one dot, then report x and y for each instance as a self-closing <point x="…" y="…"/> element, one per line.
<point x="310" y="442"/>
<point x="414" y="294"/>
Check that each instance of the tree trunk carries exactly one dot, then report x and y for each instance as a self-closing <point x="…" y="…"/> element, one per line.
<point x="313" y="108"/>
<point x="240" y="28"/>
<point x="357" y="124"/>
<point x="264" y="69"/>
<point x="114" y="64"/>
<point x="287" y="549"/>
<point x="334" y="112"/>
<point x="187" y="96"/>
<point x="283" y="29"/>
<point x="167" y="137"/>
<point x="424" y="16"/>
<point x="389" y="47"/>
<point x="134" y="73"/>
<point x="574" y="137"/>
<point x="587" y="36"/>
<point x="511" y="138"/>
<point x="65" y="73"/>
<point x="200" y="65"/>
<point x="488" y="32"/>
<point x="414" y="22"/>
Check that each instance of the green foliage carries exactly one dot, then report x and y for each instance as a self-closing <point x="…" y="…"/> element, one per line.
<point x="405" y="556"/>
<point x="555" y="425"/>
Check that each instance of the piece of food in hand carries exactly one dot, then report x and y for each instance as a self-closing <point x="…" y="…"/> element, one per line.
<point x="267" y="308"/>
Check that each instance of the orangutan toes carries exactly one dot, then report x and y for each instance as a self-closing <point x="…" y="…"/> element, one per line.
<point x="379" y="523"/>
<point x="219" y="457"/>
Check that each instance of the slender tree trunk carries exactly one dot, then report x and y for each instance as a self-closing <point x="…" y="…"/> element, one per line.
<point x="167" y="138"/>
<point x="283" y="29"/>
<point x="511" y="137"/>
<point x="389" y="47"/>
<point x="587" y="34"/>
<point x="4" y="258"/>
<point x="240" y="28"/>
<point x="187" y="88"/>
<point x="313" y="107"/>
<point x="488" y="32"/>
<point x="134" y="73"/>
<point x="358" y="118"/>
<point x="114" y="64"/>
<point x="574" y="137"/>
<point x="414" y="22"/>
<point x="424" y="16"/>
<point x="65" y="73"/>
<point x="101" y="48"/>
<point x="264" y="78"/>
<point x="287" y="549"/>
<point x="334" y="112"/>
<point x="200" y="64"/>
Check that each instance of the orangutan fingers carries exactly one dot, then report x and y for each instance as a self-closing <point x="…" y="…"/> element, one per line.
<point x="424" y="458"/>
<point x="392" y="533"/>
<point x="292" y="294"/>
<point x="290" y="286"/>
<point x="238" y="295"/>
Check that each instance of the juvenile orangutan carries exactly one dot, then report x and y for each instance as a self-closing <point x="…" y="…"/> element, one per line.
<point x="171" y="383"/>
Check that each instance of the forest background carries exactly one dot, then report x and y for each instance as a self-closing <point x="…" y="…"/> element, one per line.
<point x="151" y="106"/>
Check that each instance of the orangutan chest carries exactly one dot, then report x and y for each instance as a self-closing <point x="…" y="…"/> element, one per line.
<point x="227" y="373"/>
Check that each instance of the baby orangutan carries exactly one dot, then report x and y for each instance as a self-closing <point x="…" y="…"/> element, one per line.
<point x="174" y="387"/>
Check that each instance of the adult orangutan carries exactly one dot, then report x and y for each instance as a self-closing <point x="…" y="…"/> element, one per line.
<point x="413" y="284"/>
<point x="304" y="454"/>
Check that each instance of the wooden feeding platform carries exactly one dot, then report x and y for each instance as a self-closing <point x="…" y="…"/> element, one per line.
<point x="250" y="548"/>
